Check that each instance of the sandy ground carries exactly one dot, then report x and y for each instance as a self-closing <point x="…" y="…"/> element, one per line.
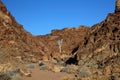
<point x="38" y="74"/>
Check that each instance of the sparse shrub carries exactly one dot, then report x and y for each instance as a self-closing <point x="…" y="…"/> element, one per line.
<point x="31" y="65"/>
<point x="5" y="76"/>
<point x="14" y="72"/>
<point x="44" y="67"/>
<point x="69" y="69"/>
<point x="84" y="72"/>
<point x="65" y="69"/>
<point x="17" y="77"/>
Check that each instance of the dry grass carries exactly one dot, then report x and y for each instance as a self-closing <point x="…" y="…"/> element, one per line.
<point x="69" y="78"/>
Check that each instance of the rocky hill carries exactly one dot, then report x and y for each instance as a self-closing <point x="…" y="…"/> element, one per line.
<point x="67" y="38"/>
<point x="100" y="50"/>
<point x="95" y="51"/>
<point x="13" y="36"/>
<point x="15" y="41"/>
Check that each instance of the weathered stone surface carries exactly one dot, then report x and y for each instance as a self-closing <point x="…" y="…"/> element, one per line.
<point x="18" y="42"/>
<point x="15" y="41"/>
<point x="100" y="48"/>
<point x="70" y="38"/>
<point x="117" y="10"/>
<point x="96" y="50"/>
<point x="108" y="70"/>
<point x="56" y="68"/>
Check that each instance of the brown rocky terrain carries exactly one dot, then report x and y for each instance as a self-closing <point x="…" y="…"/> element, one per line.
<point x="17" y="46"/>
<point x="14" y="39"/>
<point x="88" y="53"/>
<point x="70" y="38"/>
<point x="15" y="42"/>
<point x="100" y="50"/>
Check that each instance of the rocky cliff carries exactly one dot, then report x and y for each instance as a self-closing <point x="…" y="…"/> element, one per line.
<point x="95" y="50"/>
<point x="100" y="50"/>
<point x="69" y="38"/>
<point x="15" y="41"/>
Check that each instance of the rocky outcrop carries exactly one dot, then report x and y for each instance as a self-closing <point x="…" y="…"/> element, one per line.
<point x="117" y="10"/>
<point x="102" y="39"/>
<point x="100" y="49"/>
<point x="96" y="50"/>
<point x="16" y="44"/>
<point x="70" y="38"/>
<point x="15" y="41"/>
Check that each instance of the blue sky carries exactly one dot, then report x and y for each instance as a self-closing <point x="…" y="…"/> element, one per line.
<point x="39" y="17"/>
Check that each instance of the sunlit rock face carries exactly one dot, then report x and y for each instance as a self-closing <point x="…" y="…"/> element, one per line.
<point x="15" y="40"/>
<point x="100" y="49"/>
<point x="117" y="6"/>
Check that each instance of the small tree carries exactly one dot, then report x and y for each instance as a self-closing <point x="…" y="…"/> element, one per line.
<point x="60" y="45"/>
